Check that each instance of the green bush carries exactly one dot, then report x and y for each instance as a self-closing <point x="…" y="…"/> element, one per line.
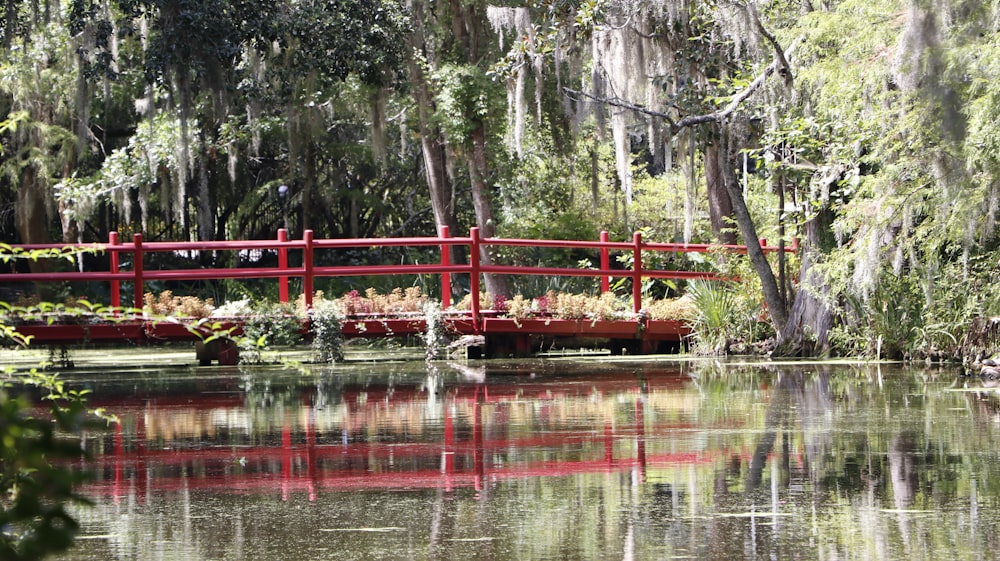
<point x="327" y="321"/>
<point x="36" y="486"/>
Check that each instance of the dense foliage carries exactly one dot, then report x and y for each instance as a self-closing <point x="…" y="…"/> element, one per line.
<point x="867" y="129"/>
<point x="37" y="485"/>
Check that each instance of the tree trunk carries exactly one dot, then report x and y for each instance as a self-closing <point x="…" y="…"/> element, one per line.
<point x="433" y="152"/>
<point x="769" y="285"/>
<point x="495" y="284"/>
<point x="10" y="23"/>
<point x="30" y="216"/>
<point x="308" y="182"/>
<point x="720" y="205"/>
<point x="206" y="222"/>
<point x="807" y="332"/>
<point x="595" y="178"/>
<point x="432" y="146"/>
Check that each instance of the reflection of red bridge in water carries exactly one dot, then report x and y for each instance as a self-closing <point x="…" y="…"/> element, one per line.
<point x="503" y="335"/>
<point x="460" y="451"/>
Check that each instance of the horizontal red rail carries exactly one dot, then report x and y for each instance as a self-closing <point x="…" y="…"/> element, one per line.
<point x="308" y="271"/>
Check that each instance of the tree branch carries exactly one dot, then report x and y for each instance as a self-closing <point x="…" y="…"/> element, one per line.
<point x="619" y="102"/>
<point x="779" y="55"/>
<point x="715" y="116"/>
<point x="738" y="98"/>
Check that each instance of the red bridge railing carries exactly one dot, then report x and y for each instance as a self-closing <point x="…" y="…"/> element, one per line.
<point x="309" y="271"/>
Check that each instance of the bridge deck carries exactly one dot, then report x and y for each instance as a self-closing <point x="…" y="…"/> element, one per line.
<point x="502" y="336"/>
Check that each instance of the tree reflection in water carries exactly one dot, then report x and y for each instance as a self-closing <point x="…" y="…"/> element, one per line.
<point x="547" y="460"/>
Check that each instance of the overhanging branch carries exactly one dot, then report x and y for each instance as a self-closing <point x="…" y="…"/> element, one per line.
<point x="693" y="120"/>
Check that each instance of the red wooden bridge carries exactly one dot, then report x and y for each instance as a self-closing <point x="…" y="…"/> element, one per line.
<point x="503" y="336"/>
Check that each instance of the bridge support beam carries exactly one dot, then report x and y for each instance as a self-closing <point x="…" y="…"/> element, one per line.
<point x="508" y="345"/>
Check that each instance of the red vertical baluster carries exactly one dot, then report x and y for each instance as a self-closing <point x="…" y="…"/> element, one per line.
<point x="138" y="288"/>
<point x="116" y="285"/>
<point x="605" y="262"/>
<point x="474" y="280"/>
<point x="448" y="455"/>
<point x="637" y="272"/>
<point x="445" y="232"/>
<point x="283" y="265"/>
<point x="307" y="260"/>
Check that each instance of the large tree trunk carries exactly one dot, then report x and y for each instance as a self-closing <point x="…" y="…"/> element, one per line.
<point x="206" y="221"/>
<point x="807" y="332"/>
<point x="495" y="284"/>
<point x="720" y="205"/>
<point x="769" y="285"/>
<point x="10" y="23"/>
<point x="432" y="145"/>
<point x="31" y="220"/>
<point x="433" y="151"/>
<point x="30" y="216"/>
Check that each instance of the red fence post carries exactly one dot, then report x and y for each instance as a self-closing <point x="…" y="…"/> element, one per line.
<point x="605" y="262"/>
<point x="282" y="264"/>
<point x="445" y="232"/>
<point x="474" y="276"/>
<point x="307" y="262"/>
<point x="637" y="272"/>
<point x="116" y="285"/>
<point x="137" y="289"/>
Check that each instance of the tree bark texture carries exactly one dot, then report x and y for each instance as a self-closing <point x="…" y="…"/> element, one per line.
<point x="769" y="285"/>
<point x="495" y="284"/>
<point x="807" y="331"/>
<point x="30" y="214"/>
<point x="432" y="146"/>
<point x="720" y="205"/>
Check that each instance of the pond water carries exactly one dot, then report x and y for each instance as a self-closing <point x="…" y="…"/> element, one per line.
<point x="544" y="460"/>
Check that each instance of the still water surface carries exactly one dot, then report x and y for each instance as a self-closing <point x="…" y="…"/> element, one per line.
<point x="544" y="460"/>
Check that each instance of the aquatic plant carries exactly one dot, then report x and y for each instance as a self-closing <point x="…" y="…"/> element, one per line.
<point x="326" y="321"/>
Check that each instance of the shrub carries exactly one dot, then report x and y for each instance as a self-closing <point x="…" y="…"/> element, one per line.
<point x="682" y="309"/>
<point x="465" y="303"/>
<point x="166" y="304"/>
<point x="327" y="321"/>
<point x="714" y="307"/>
<point x="398" y="302"/>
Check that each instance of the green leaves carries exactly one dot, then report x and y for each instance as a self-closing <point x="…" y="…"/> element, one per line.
<point x="463" y="96"/>
<point x="35" y="483"/>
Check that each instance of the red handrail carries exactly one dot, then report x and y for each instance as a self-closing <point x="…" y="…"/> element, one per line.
<point x="309" y="271"/>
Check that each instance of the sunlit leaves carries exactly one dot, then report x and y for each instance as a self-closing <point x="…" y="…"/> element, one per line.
<point x="9" y="253"/>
